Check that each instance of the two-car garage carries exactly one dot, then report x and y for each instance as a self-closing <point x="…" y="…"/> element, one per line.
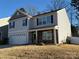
<point x="18" y="39"/>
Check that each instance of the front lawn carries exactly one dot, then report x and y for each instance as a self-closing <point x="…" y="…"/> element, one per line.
<point x="40" y="52"/>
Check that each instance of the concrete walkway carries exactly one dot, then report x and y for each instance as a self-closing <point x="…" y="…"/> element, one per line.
<point x="5" y="46"/>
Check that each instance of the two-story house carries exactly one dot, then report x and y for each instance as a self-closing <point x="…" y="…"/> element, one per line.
<point x="50" y="27"/>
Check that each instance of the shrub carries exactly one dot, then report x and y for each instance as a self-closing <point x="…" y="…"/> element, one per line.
<point x="68" y="40"/>
<point x="4" y="41"/>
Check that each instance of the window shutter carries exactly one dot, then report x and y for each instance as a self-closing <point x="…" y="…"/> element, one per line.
<point x="10" y="25"/>
<point x="37" y="21"/>
<point x="26" y="22"/>
<point x="51" y="18"/>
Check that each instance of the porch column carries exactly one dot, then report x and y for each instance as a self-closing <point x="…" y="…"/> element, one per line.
<point x="36" y="37"/>
<point x="55" y="42"/>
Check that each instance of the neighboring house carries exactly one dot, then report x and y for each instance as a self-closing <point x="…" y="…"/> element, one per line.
<point x="4" y="28"/>
<point x="4" y="32"/>
<point x="50" y="27"/>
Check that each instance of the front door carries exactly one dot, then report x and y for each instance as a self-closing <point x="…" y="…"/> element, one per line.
<point x="33" y="37"/>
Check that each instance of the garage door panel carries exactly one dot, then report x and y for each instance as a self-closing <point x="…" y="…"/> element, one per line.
<point x="18" y="40"/>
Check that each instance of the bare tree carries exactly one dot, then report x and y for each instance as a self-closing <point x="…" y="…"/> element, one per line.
<point x="56" y="5"/>
<point x="75" y="4"/>
<point x="32" y="10"/>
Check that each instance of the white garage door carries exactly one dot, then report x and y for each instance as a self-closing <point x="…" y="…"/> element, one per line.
<point x="18" y="40"/>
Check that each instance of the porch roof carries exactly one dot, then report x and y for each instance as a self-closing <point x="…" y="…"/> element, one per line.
<point x="43" y="28"/>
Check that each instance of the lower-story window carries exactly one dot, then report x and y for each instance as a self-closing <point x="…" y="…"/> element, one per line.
<point x="47" y="35"/>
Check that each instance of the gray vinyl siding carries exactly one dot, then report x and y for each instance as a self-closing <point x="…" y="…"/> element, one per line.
<point x="19" y="28"/>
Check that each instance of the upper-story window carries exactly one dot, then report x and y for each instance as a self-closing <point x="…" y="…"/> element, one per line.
<point x="12" y="24"/>
<point x="25" y="22"/>
<point x="45" y="20"/>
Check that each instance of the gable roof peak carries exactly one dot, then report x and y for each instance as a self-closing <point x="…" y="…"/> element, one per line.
<point x="23" y="10"/>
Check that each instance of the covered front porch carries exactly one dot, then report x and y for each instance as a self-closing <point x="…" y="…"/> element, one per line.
<point x="47" y="36"/>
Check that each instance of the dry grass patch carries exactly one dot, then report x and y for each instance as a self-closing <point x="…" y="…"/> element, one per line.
<point x="41" y="52"/>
